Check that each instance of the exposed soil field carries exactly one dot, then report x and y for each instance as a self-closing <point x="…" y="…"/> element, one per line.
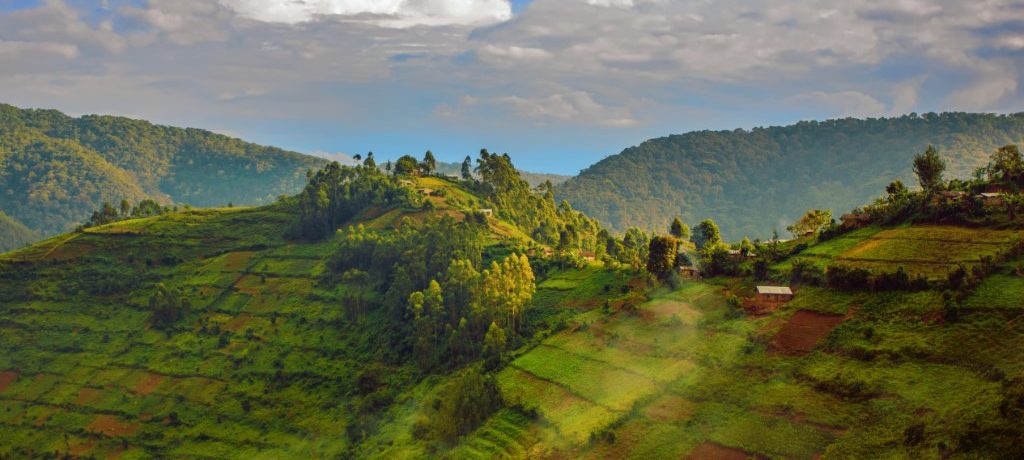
<point x="147" y="384"/>
<point x="112" y="426"/>
<point x="87" y="396"/>
<point x="803" y="331"/>
<point x="713" y="451"/>
<point x="6" y="378"/>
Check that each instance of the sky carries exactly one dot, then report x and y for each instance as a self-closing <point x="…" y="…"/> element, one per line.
<point x="557" y="84"/>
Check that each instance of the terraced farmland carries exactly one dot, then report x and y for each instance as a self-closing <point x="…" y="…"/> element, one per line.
<point x="928" y="250"/>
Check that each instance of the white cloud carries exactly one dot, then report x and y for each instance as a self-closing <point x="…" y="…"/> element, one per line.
<point x="391" y="13"/>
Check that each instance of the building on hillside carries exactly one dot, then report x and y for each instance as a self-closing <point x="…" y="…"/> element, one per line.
<point x="426" y="191"/>
<point x="689" y="272"/>
<point x="454" y="177"/>
<point x="588" y="255"/>
<point x="992" y="200"/>
<point x="739" y="255"/>
<point x="773" y="294"/>
<point x="948" y="196"/>
<point x="855" y="220"/>
<point x="487" y="212"/>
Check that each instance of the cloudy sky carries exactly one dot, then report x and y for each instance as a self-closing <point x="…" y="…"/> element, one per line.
<point x="558" y="84"/>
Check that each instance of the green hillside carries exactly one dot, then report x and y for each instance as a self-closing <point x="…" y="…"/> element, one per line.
<point x="14" y="234"/>
<point x="55" y="170"/>
<point x="375" y="316"/>
<point x="752" y="181"/>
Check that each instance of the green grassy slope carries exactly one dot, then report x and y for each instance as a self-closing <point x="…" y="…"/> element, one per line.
<point x="750" y="181"/>
<point x="831" y="374"/>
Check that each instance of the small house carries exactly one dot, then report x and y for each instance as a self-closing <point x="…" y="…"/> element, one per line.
<point x="426" y="191"/>
<point x="452" y="176"/>
<point x="991" y="200"/>
<point x="689" y="272"/>
<point x="773" y="294"/>
<point x="487" y="212"/>
<point x="588" y="255"/>
<point x="948" y="196"/>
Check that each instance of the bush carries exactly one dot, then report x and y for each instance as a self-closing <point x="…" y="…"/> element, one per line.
<point x="847" y="278"/>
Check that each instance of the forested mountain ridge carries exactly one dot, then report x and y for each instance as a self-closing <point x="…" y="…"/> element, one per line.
<point x="55" y="169"/>
<point x="751" y="181"/>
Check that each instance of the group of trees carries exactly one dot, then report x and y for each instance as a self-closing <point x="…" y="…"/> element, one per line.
<point x="1004" y="172"/>
<point x="746" y="179"/>
<point x="108" y="213"/>
<point x="407" y="165"/>
<point x="337" y="193"/>
<point x="167" y="306"/>
<point x="446" y="307"/>
<point x="482" y="310"/>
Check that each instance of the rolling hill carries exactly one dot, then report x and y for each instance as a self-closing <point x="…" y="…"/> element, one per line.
<point x="55" y="170"/>
<point x="14" y="234"/>
<point x="750" y="181"/>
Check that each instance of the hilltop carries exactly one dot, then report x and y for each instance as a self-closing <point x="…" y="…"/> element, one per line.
<point x="751" y="181"/>
<point x="55" y="169"/>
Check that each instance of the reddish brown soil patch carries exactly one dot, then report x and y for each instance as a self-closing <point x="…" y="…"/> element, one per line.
<point x="148" y="384"/>
<point x="7" y="378"/>
<point x="714" y="451"/>
<point x="116" y="453"/>
<point x="238" y="322"/>
<point x="669" y="408"/>
<point x="145" y="417"/>
<point x="87" y="396"/>
<point x="80" y="448"/>
<point x="109" y="425"/>
<point x="803" y="331"/>
<point x="249" y="284"/>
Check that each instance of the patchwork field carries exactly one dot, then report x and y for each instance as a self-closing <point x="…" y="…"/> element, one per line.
<point x="927" y="250"/>
<point x="258" y="375"/>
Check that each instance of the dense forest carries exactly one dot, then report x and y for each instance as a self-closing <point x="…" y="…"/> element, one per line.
<point x="751" y="181"/>
<point x="55" y="169"/>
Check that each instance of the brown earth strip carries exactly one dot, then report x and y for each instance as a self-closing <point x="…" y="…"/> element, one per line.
<point x="7" y="378"/>
<point x="109" y="425"/>
<point x="803" y="331"/>
<point x="87" y="396"/>
<point x="147" y="384"/>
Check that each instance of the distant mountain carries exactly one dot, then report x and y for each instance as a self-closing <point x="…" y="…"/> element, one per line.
<point x="14" y="234"/>
<point x="56" y="170"/>
<point x="752" y="181"/>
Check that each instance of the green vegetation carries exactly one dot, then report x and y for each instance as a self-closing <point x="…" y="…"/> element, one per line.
<point x="749" y="181"/>
<point x="55" y="170"/>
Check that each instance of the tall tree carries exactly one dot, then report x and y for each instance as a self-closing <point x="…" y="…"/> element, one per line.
<point x="813" y="221"/>
<point x="661" y="256"/>
<point x="679" y="229"/>
<point x="467" y="168"/>
<point x="406" y="165"/>
<point x="429" y="164"/>
<point x="1006" y="164"/>
<point x="928" y="167"/>
<point x="706" y="234"/>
